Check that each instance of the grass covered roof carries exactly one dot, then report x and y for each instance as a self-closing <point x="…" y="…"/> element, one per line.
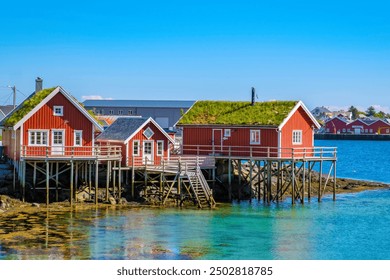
<point x="25" y="107"/>
<point x="270" y="113"/>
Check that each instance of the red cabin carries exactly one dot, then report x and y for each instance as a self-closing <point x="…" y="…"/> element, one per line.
<point x="380" y="127"/>
<point x="336" y="125"/>
<point x="261" y="129"/>
<point x="49" y="123"/>
<point x="143" y="141"/>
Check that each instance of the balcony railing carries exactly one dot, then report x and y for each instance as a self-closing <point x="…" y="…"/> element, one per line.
<point x="93" y="152"/>
<point x="261" y="152"/>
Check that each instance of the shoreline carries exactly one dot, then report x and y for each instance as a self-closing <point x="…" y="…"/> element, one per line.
<point x="10" y="206"/>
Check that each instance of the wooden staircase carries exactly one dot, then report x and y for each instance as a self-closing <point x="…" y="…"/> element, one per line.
<point x="200" y="188"/>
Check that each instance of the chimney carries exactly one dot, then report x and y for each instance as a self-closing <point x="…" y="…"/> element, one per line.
<point x="253" y="96"/>
<point x="38" y="84"/>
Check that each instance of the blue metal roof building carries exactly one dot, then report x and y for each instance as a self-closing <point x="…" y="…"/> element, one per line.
<point x="165" y="112"/>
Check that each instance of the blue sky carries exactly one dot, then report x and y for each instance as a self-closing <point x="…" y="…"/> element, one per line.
<point x="332" y="53"/>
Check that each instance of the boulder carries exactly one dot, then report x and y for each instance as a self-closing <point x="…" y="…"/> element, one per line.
<point x="112" y="200"/>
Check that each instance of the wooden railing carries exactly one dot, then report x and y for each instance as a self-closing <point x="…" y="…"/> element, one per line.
<point x="98" y="152"/>
<point x="260" y="152"/>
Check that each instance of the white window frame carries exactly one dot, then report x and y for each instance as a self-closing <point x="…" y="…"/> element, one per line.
<point x="61" y="111"/>
<point x="255" y="137"/>
<point x="138" y="147"/>
<point x="297" y="137"/>
<point x="148" y="133"/>
<point x="120" y="112"/>
<point x="75" y="133"/>
<point x="111" y="112"/>
<point x="160" y="148"/>
<point x="40" y="131"/>
<point x="227" y="132"/>
<point x="130" y="112"/>
<point x="387" y="130"/>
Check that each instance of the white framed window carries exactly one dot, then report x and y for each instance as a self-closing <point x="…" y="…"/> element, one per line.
<point x="136" y="148"/>
<point x="254" y="137"/>
<point x="111" y="112"/>
<point x="130" y="112"/>
<point x="297" y="137"/>
<point x="343" y="129"/>
<point x="327" y="130"/>
<point x="387" y="130"/>
<point x="366" y="130"/>
<point x="37" y="137"/>
<point x="58" y="110"/>
<point x="160" y="147"/>
<point x="148" y="133"/>
<point x="371" y="130"/>
<point x="78" y="138"/>
<point x="58" y="137"/>
<point x="227" y="132"/>
<point x="120" y="112"/>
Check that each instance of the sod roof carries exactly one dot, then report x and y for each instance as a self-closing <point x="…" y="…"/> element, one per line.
<point x="26" y="106"/>
<point x="270" y="113"/>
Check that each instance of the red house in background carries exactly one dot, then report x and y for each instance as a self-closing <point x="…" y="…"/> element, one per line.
<point x="263" y="129"/>
<point x="336" y="125"/>
<point x="142" y="140"/>
<point x="50" y="123"/>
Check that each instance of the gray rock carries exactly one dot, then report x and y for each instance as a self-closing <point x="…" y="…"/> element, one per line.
<point x="35" y="204"/>
<point x="112" y="200"/>
<point x="122" y="201"/>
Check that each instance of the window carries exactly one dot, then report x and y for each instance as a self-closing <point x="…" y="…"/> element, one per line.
<point x="366" y="130"/>
<point x="58" y="137"/>
<point x="130" y="112"/>
<point x="160" y="147"/>
<point x="297" y="137"/>
<point x="227" y="132"/>
<point x="327" y="130"/>
<point x="343" y="129"/>
<point x="58" y="110"/>
<point x="37" y="138"/>
<point x="148" y="133"/>
<point x="111" y="112"/>
<point x="370" y="130"/>
<point x="387" y="130"/>
<point x="78" y="137"/>
<point x="255" y="136"/>
<point x="136" y="148"/>
<point x="120" y="112"/>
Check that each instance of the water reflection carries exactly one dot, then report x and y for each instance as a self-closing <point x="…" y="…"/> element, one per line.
<point x="353" y="227"/>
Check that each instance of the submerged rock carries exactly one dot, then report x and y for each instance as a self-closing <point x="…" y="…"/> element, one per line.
<point x="112" y="200"/>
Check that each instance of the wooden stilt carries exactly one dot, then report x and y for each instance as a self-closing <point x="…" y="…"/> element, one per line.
<point x="320" y="183"/>
<point x="47" y="182"/>
<point x="76" y="179"/>
<point x="90" y="178"/>
<point x="293" y="182"/>
<point x="250" y="179"/>
<point x="310" y="165"/>
<point x="230" y="178"/>
<point x="57" y="170"/>
<point x="71" y="182"/>
<point x="96" y="181"/>
<point x="119" y="180"/>
<point x="108" y="178"/>
<point x="23" y="180"/>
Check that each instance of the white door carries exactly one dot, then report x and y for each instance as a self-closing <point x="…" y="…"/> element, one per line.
<point x="147" y="152"/>
<point x="357" y="130"/>
<point x="58" y="142"/>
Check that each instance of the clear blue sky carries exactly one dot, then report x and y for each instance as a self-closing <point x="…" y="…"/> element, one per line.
<point x="322" y="52"/>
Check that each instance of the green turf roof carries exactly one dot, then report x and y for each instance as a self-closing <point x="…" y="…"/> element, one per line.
<point x="271" y="113"/>
<point x="27" y="105"/>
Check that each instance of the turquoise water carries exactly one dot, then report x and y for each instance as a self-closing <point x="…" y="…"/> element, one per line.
<point x="355" y="226"/>
<point x="367" y="160"/>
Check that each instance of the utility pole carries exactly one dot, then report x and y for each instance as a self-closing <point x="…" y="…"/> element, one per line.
<point x="14" y="99"/>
